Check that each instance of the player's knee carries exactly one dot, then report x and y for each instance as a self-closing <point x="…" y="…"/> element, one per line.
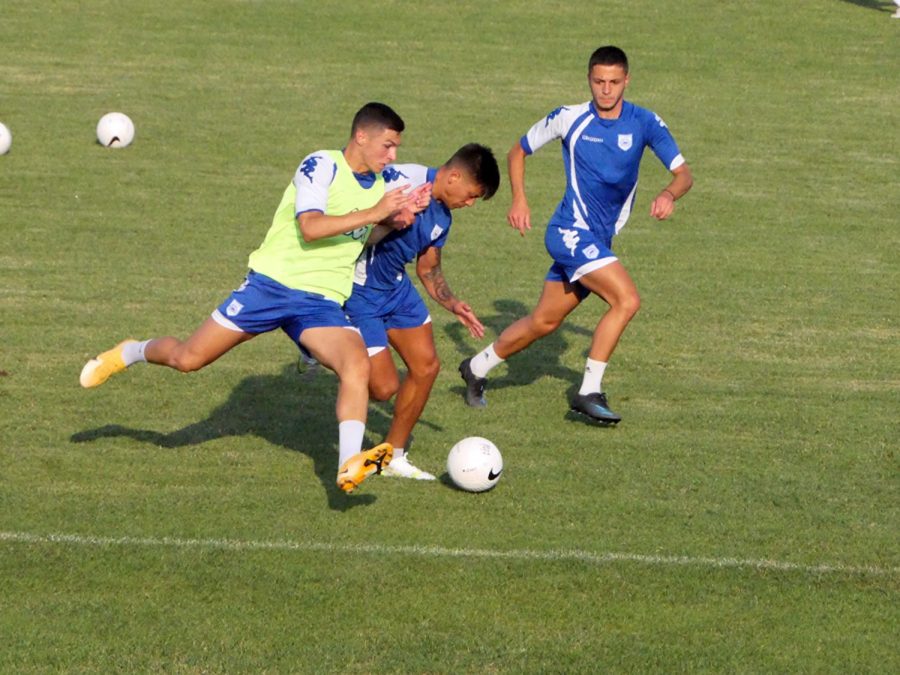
<point x="544" y="325"/>
<point x="187" y="361"/>
<point x="383" y="390"/>
<point x="630" y="304"/>
<point x="427" y="370"/>
<point x="355" y="368"/>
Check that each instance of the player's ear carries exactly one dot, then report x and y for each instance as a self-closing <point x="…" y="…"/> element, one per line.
<point x="453" y="176"/>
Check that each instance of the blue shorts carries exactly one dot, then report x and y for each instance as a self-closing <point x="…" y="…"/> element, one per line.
<point x="375" y="312"/>
<point x="261" y="304"/>
<point x="575" y="252"/>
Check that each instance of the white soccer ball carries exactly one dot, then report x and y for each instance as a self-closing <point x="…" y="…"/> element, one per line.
<point x="5" y="139"/>
<point x="115" y="130"/>
<point x="474" y="464"/>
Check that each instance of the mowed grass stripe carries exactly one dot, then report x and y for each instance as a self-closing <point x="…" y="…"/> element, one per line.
<point x="586" y="557"/>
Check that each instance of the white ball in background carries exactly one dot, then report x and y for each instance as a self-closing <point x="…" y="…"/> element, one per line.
<point x="5" y="139"/>
<point x="115" y="130"/>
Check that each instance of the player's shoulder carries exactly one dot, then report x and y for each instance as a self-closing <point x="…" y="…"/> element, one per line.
<point x="566" y="114"/>
<point x="397" y="174"/>
<point x="645" y="116"/>
<point x="317" y="163"/>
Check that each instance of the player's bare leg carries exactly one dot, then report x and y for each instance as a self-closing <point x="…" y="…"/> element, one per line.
<point x="384" y="380"/>
<point x="614" y="285"/>
<point x="343" y="351"/>
<point x="206" y="344"/>
<point x="210" y="341"/>
<point x="416" y="347"/>
<point x="557" y="301"/>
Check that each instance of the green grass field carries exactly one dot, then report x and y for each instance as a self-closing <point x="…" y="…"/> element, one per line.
<point x="743" y="517"/>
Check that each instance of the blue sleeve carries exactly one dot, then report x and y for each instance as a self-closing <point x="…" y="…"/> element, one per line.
<point x="661" y="142"/>
<point x="525" y="145"/>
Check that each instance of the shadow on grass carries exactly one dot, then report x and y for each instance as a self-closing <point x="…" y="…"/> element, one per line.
<point x="540" y="359"/>
<point x="879" y="5"/>
<point x="291" y="410"/>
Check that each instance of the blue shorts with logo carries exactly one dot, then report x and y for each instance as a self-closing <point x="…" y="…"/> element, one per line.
<point x="575" y="252"/>
<point x="375" y="312"/>
<point x="261" y="304"/>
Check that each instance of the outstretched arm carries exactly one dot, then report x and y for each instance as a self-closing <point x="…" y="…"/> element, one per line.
<point x="519" y="216"/>
<point x="428" y="268"/>
<point x="664" y="204"/>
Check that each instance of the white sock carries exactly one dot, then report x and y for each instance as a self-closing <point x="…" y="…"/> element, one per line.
<point x="593" y="377"/>
<point x="398" y="453"/>
<point x="134" y="352"/>
<point x="350" y="439"/>
<point x="482" y="363"/>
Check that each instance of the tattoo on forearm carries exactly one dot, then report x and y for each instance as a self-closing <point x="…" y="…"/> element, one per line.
<point x="442" y="292"/>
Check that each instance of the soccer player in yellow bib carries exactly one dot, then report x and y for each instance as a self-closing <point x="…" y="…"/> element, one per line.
<point x="299" y="278"/>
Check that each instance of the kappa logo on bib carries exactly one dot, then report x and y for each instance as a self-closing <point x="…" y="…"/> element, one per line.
<point x="234" y="308"/>
<point x="625" y="141"/>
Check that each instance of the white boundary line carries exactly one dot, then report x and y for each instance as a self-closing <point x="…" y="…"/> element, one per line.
<point x="441" y="552"/>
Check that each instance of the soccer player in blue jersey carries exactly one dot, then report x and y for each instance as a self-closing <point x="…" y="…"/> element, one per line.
<point x="602" y="144"/>
<point x="299" y="278"/>
<point x="387" y="308"/>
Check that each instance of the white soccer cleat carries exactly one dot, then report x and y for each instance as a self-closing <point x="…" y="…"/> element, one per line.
<point x="401" y="468"/>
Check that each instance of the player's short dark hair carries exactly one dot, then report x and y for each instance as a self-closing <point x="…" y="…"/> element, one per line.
<point x="377" y="115"/>
<point x="608" y="56"/>
<point x="479" y="162"/>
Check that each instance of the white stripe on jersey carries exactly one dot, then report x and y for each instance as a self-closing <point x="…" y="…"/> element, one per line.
<point x="573" y="178"/>
<point x="625" y="213"/>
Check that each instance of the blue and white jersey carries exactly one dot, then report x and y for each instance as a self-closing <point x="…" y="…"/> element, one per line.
<point x="602" y="159"/>
<point x="383" y="265"/>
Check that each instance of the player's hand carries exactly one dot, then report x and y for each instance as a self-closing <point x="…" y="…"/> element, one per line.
<point x="663" y="206"/>
<point x="400" y="220"/>
<point x="392" y="202"/>
<point x="519" y="216"/>
<point x="421" y="197"/>
<point x="468" y="319"/>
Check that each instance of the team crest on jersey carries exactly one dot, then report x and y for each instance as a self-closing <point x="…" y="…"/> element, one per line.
<point x="591" y="252"/>
<point x="436" y="232"/>
<point x="625" y="141"/>
<point x="234" y="308"/>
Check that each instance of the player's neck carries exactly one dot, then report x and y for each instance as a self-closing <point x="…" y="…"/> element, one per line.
<point x="439" y="185"/>
<point x="355" y="160"/>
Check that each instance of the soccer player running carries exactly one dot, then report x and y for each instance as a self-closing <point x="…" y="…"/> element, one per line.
<point x="387" y="308"/>
<point x="299" y="278"/>
<point x="602" y="144"/>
